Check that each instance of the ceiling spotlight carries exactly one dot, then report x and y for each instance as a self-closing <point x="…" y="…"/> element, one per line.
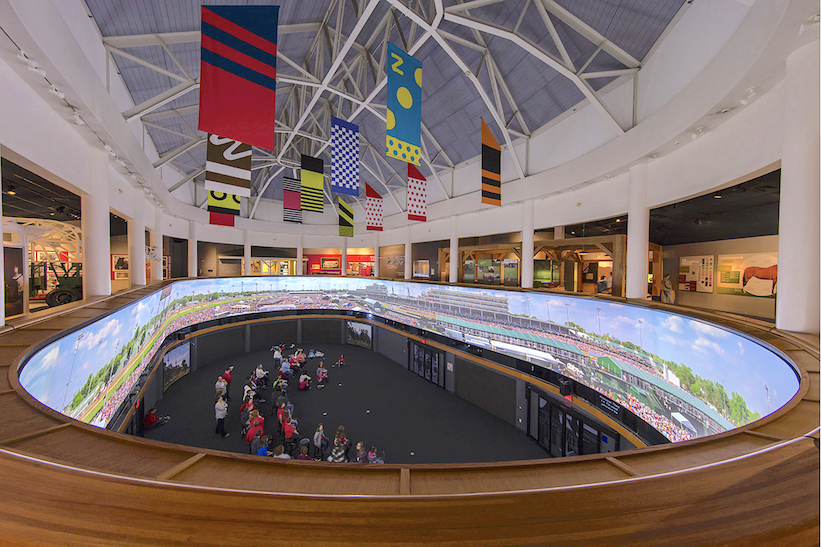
<point x="52" y="213"/>
<point x="698" y="133"/>
<point x="77" y="120"/>
<point x="618" y="220"/>
<point x="57" y="92"/>
<point x="121" y="162"/>
<point x="133" y="176"/>
<point x="676" y="143"/>
<point x="717" y="196"/>
<point x="22" y="56"/>
<point x="11" y="191"/>
<point x="653" y="156"/>
<point x="31" y="63"/>
<point x="751" y="92"/>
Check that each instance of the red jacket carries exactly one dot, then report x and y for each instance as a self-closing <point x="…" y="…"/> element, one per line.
<point x="252" y="432"/>
<point x="149" y="420"/>
<point x="227" y="377"/>
<point x="289" y="430"/>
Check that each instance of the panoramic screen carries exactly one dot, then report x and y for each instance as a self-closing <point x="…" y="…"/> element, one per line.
<point x="685" y="377"/>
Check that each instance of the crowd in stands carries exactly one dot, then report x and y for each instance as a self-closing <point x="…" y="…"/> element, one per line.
<point x="283" y="439"/>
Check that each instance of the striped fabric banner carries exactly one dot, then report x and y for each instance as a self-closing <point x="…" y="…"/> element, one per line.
<point x="373" y="209"/>
<point x="228" y="166"/>
<point x="491" y="168"/>
<point x="238" y="62"/>
<point x="291" y="200"/>
<point x="344" y="157"/>
<point x="417" y="194"/>
<point x="222" y="208"/>
<point x="312" y="184"/>
<point x="345" y="218"/>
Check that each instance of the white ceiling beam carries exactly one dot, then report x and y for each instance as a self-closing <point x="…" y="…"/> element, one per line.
<point x="551" y="28"/>
<point x="171" y="154"/>
<point x="157" y="116"/>
<point x="590" y="33"/>
<point x="142" y="40"/>
<point x="470" y="5"/>
<point x="465" y="70"/>
<point x="190" y="177"/>
<point x="146" y="64"/>
<point x="609" y="73"/>
<point x="360" y="24"/>
<point x="547" y="59"/>
<point x="159" y="101"/>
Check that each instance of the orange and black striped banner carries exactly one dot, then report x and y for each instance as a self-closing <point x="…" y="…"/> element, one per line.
<point x="491" y="168"/>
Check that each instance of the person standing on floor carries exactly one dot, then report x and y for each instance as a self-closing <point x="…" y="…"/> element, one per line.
<point x="227" y="377"/>
<point x="222" y="387"/>
<point x="220" y="411"/>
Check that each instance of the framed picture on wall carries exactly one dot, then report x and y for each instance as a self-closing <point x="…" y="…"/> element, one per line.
<point x="330" y="263"/>
<point x="119" y="267"/>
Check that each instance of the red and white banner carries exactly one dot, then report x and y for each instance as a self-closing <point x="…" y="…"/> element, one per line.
<point x="417" y="194"/>
<point x="373" y="209"/>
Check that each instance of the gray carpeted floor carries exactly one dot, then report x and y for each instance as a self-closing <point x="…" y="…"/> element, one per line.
<point x="378" y="401"/>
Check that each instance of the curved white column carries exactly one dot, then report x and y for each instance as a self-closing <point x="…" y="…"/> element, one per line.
<point x="136" y="243"/>
<point x="408" y="254"/>
<point x="527" y="244"/>
<point x="299" y="252"/>
<point x="453" y="274"/>
<point x="155" y="240"/>
<point x="638" y="233"/>
<point x="95" y="222"/>
<point x="193" y="264"/>
<point x="246" y="252"/>
<point x="797" y="304"/>
<point x="343" y="267"/>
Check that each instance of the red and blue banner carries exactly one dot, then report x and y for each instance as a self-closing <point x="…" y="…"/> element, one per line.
<point x="238" y="73"/>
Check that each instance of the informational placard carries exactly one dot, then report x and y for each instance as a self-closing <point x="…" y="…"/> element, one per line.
<point x="511" y="270"/>
<point x="695" y="273"/>
<point x="119" y="267"/>
<point x="753" y="274"/>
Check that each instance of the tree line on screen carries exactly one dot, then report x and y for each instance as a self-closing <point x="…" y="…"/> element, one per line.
<point x="733" y="407"/>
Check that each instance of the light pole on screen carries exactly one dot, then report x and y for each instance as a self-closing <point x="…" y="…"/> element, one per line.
<point x="724" y="394"/>
<point x="598" y="316"/>
<point x="71" y="372"/>
<point x="641" y="343"/>
<point x="567" y="309"/>
<point x="767" y="389"/>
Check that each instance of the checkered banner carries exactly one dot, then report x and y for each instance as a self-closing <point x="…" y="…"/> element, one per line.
<point x="373" y="209"/>
<point x="344" y="157"/>
<point x="417" y="194"/>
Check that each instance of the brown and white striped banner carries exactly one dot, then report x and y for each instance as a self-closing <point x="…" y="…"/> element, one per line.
<point x="228" y="166"/>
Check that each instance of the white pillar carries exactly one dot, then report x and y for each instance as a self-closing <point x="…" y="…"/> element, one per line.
<point x="155" y="240"/>
<point x="193" y="264"/>
<point x="136" y="243"/>
<point x="797" y="296"/>
<point x="246" y="252"/>
<point x="558" y="232"/>
<point x="95" y="222"/>
<point x="343" y="267"/>
<point x="408" y="254"/>
<point x="299" y="250"/>
<point x="454" y="250"/>
<point x="527" y="245"/>
<point x="638" y="233"/>
<point x="376" y="257"/>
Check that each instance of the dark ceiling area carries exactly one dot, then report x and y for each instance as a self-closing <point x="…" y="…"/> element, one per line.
<point x="748" y="209"/>
<point x="26" y="195"/>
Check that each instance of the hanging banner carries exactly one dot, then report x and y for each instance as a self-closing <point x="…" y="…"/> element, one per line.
<point x="312" y="183"/>
<point x="373" y="209"/>
<point x="491" y="168"/>
<point x="344" y="157"/>
<point x="238" y="73"/>
<point x="291" y="200"/>
<point x="417" y="194"/>
<point x="228" y="166"/>
<point x="345" y="218"/>
<point x="404" y="136"/>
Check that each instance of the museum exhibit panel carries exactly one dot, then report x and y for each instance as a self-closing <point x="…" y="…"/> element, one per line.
<point x="580" y="281"/>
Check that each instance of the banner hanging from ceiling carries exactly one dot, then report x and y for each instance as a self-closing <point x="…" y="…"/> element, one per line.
<point x="238" y="73"/>
<point x="291" y="200"/>
<point x="417" y="194"/>
<point x="404" y="137"/>
<point x="345" y="218"/>
<point x="344" y="157"/>
<point x="228" y="166"/>
<point x="313" y="198"/>
<point x="491" y="168"/>
<point x="223" y="208"/>
<point x="373" y="209"/>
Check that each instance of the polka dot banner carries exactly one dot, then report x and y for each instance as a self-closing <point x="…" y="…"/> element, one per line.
<point x="417" y="194"/>
<point x="404" y="118"/>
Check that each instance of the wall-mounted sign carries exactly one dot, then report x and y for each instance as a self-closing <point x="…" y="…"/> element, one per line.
<point x="119" y="267"/>
<point x="330" y="263"/>
<point x="695" y="273"/>
<point x="748" y="274"/>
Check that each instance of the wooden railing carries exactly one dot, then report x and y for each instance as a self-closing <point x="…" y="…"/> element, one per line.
<point x="65" y="482"/>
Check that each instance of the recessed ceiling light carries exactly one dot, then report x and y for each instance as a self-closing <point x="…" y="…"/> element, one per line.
<point x="618" y="220"/>
<point x="717" y="196"/>
<point x="11" y="191"/>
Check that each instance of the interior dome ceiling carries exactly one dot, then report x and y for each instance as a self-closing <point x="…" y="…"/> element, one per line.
<point x="533" y="60"/>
